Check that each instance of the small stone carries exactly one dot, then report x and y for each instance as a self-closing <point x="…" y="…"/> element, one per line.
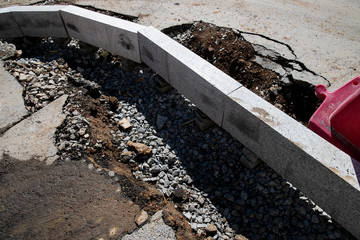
<point x="153" y="179"/>
<point x="125" y="124"/>
<point x="240" y="237"/>
<point x="180" y="194"/>
<point x="82" y="131"/>
<point x="187" y="215"/>
<point x="247" y="163"/>
<point x="161" y="174"/>
<point x="160" y="121"/>
<point x="244" y="195"/>
<point x="22" y="77"/>
<point x="8" y="50"/>
<point x="145" y="166"/>
<point x="155" y="169"/>
<point x="111" y="173"/>
<point x="302" y="211"/>
<point x="62" y="146"/>
<point x="250" y="155"/>
<point x="314" y="219"/>
<point x="201" y="200"/>
<point x="331" y="235"/>
<point x="187" y="179"/>
<point x="211" y="230"/>
<point x="141" y="218"/>
<point x="80" y="69"/>
<point x="139" y="147"/>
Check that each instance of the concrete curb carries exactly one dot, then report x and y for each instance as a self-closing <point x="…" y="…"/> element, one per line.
<point x="324" y="173"/>
<point x="8" y="26"/>
<point x="42" y="21"/>
<point x="198" y="80"/>
<point x="113" y="34"/>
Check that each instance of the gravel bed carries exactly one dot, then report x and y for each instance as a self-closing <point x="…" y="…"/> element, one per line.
<point x="199" y="171"/>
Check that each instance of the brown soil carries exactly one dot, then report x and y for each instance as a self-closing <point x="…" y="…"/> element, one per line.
<point x="230" y="52"/>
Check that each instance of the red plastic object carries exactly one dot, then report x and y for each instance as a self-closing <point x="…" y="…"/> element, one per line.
<point x="338" y="118"/>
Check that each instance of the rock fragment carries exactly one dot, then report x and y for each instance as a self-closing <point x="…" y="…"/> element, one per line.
<point x="160" y="121"/>
<point x="211" y="230"/>
<point x="141" y="218"/>
<point x="140" y="148"/>
<point x="249" y="159"/>
<point x="125" y="124"/>
<point x="7" y="50"/>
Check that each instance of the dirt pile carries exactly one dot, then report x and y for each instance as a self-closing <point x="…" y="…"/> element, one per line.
<point x="229" y="51"/>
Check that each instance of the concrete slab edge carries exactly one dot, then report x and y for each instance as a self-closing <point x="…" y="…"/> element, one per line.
<point x="323" y="172"/>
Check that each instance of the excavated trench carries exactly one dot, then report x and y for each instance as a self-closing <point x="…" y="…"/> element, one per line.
<point x="192" y="169"/>
<point x="257" y="203"/>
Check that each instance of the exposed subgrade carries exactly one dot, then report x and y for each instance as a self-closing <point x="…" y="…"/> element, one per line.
<point x="286" y="63"/>
<point x="266" y="66"/>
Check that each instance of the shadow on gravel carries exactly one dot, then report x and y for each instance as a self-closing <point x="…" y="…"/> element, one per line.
<point x="256" y="203"/>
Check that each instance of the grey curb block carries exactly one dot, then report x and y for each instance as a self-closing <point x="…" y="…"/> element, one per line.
<point x="113" y="34"/>
<point x="8" y="26"/>
<point x="324" y="173"/>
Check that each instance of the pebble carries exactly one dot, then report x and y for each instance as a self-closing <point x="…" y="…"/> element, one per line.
<point x="155" y="169"/>
<point x="160" y="121"/>
<point x="211" y="230"/>
<point x="141" y="218"/>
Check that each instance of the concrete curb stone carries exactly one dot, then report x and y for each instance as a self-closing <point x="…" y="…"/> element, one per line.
<point x="40" y="21"/>
<point x="112" y="34"/>
<point x="8" y="26"/>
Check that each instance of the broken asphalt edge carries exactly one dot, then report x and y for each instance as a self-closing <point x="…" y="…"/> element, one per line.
<point x="321" y="171"/>
<point x="32" y="138"/>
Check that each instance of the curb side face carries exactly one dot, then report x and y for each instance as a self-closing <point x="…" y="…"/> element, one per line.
<point x="103" y="31"/>
<point x="8" y="26"/>
<point x="44" y="21"/>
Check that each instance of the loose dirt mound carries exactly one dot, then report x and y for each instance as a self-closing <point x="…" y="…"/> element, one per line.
<point x="230" y="52"/>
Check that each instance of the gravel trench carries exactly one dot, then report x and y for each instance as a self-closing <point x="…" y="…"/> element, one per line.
<point x="199" y="171"/>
